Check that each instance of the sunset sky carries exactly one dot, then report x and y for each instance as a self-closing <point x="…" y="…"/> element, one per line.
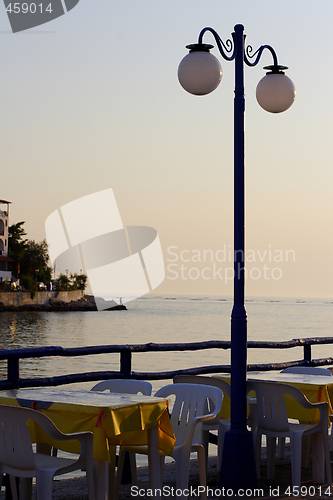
<point x="91" y="101"/>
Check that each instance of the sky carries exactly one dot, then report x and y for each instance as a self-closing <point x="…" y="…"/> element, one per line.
<point x="91" y="101"/>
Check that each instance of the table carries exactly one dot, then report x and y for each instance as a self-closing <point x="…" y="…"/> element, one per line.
<point x="316" y="388"/>
<point x="113" y="419"/>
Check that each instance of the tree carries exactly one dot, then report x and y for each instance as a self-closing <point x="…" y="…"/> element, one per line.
<point x="16" y="245"/>
<point x="31" y="258"/>
<point x="35" y="261"/>
<point x="75" y="282"/>
<point x="31" y="262"/>
<point x="64" y="283"/>
<point x="79" y="281"/>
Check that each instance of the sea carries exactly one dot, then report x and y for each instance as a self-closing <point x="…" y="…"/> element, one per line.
<point x="164" y="319"/>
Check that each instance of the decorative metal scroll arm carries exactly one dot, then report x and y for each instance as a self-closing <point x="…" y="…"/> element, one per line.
<point x="224" y="48"/>
<point x="257" y="54"/>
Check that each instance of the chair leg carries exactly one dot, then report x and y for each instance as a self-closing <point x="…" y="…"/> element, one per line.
<point x="182" y="473"/>
<point x="271" y="451"/>
<point x="25" y="488"/>
<point x="281" y="447"/>
<point x="121" y="460"/>
<point x="133" y="468"/>
<point x="202" y="470"/>
<point x="296" y="458"/>
<point x="205" y="443"/>
<point x="321" y="458"/>
<point x="318" y="458"/>
<point x="257" y="450"/>
<point x="219" y="452"/>
<point x="120" y="468"/>
<point x="327" y="459"/>
<point x="13" y="487"/>
<point x="222" y="430"/>
<point x="306" y="451"/>
<point x="44" y="485"/>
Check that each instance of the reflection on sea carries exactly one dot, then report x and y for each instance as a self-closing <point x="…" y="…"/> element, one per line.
<point x="21" y="330"/>
<point x="26" y="329"/>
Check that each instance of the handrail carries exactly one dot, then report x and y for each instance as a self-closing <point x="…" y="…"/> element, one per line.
<point x="39" y="352"/>
<point x="14" y="355"/>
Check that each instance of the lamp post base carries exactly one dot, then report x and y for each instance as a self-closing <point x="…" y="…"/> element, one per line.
<point x="238" y="468"/>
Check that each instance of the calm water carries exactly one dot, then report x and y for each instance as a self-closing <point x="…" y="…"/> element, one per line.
<point x="165" y="319"/>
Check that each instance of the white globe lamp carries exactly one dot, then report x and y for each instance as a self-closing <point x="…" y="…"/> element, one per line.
<point x="275" y="92"/>
<point x="199" y="72"/>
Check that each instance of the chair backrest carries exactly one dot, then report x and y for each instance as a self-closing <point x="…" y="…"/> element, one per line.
<point x="271" y="406"/>
<point x="198" y="379"/>
<point x="126" y="386"/>
<point x="308" y="370"/>
<point x="16" y="451"/>
<point x="191" y="401"/>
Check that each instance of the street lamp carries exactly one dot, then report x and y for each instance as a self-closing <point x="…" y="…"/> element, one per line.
<point x="200" y="73"/>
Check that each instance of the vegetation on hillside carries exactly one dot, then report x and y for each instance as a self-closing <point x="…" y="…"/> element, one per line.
<point x="73" y="282"/>
<point x="31" y="262"/>
<point x="31" y="258"/>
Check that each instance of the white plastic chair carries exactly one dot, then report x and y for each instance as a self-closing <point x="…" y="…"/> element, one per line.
<point x="193" y="405"/>
<point x="125" y="386"/>
<point x="273" y="422"/>
<point x="304" y="370"/>
<point x="222" y="425"/>
<point x="17" y="457"/>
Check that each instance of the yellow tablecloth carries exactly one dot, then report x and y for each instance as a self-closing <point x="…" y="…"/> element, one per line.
<point x="112" y="418"/>
<point x="316" y="388"/>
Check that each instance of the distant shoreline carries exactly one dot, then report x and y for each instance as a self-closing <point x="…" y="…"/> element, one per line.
<point x="54" y="304"/>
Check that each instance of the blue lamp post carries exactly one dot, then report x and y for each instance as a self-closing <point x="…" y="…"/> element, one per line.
<point x="200" y="73"/>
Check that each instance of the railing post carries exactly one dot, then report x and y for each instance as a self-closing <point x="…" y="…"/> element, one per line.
<point x="307" y="353"/>
<point x="13" y="372"/>
<point x="126" y="363"/>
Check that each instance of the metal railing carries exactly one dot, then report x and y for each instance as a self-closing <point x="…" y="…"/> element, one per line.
<point x="13" y="357"/>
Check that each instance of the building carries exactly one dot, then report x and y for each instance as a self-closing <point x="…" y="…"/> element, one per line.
<point x="4" y="225"/>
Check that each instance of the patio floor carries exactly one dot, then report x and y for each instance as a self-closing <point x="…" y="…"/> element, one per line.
<point x="280" y="487"/>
